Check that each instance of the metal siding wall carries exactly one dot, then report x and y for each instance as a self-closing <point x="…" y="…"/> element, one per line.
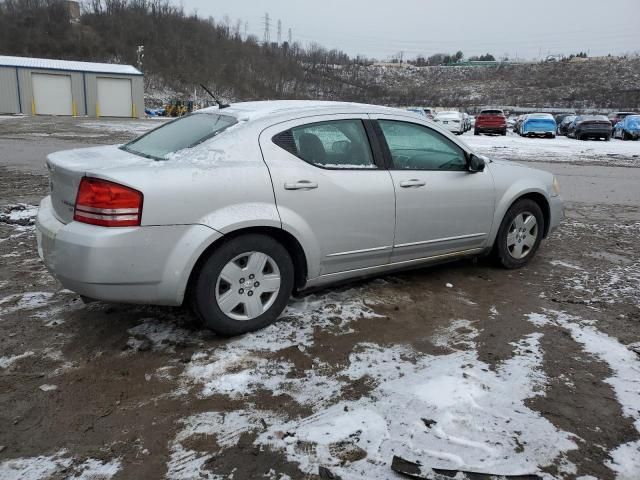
<point x="137" y="90"/>
<point x="8" y="90"/>
<point x="26" y="88"/>
<point x="92" y="93"/>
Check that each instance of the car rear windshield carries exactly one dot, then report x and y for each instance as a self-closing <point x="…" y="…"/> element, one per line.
<point x="185" y="132"/>
<point x="491" y="112"/>
<point x="594" y="118"/>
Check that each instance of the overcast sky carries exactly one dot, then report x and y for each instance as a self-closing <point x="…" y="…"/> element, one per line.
<point x="381" y="28"/>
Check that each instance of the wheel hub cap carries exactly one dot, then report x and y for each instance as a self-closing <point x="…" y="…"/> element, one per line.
<point x="522" y="235"/>
<point x="247" y="286"/>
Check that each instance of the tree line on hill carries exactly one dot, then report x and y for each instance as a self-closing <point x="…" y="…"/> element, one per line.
<point x="180" y="50"/>
<point x="183" y="50"/>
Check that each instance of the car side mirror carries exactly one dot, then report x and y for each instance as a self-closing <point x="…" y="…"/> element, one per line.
<point x="476" y="164"/>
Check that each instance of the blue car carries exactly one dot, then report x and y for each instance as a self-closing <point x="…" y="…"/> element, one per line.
<point x="538" y="125"/>
<point x="628" y="128"/>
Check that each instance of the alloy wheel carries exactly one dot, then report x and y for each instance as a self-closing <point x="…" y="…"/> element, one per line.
<point x="522" y="235"/>
<point x="248" y="285"/>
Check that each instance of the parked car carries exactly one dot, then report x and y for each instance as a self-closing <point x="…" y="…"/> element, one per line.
<point x="615" y="117"/>
<point x="563" y="126"/>
<point x="561" y="116"/>
<point x="628" y="128"/>
<point x="518" y="122"/>
<point x="452" y="121"/>
<point x="538" y="125"/>
<point x="590" y="126"/>
<point x="467" y="121"/>
<point x="230" y="210"/>
<point x="418" y="111"/>
<point x="490" y="121"/>
<point x="429" y="112"/>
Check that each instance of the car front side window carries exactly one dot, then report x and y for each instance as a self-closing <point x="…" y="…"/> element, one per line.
<point x="338" y="144"/>
<point x="416" y="147"/>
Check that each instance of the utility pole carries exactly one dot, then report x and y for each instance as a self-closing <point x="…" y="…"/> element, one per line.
<point x="246" y="29"/>
<point x="401" y="56"/>
<point x="279" y="31"/>
<point x="140" y="53"/>
<point x="267" y="27"/>
<point x="290" y="38"/>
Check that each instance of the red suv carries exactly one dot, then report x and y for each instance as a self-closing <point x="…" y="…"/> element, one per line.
<point x="491" y="121"/>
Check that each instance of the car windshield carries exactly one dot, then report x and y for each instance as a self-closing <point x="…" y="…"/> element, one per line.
<point x="185" y="132"/>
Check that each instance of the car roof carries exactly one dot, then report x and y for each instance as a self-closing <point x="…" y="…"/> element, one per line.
<point x="269" y="109"/>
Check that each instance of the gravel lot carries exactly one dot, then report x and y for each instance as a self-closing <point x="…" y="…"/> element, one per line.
<point x="459" y="367"/>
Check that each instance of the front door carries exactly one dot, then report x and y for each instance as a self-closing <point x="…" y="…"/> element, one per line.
<point x="330" y="191"/>
<point x="441" y="207"/>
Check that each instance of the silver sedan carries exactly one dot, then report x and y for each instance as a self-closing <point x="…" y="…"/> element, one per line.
<point x="233" y="209"/>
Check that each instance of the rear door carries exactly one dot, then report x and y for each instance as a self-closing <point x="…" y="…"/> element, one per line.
<point x="441" y="207"/>
<point x="331" y="192"/>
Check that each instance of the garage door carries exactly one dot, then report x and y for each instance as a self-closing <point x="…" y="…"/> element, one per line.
<point x="114" y="97"/>
<point x="52" y="94"/>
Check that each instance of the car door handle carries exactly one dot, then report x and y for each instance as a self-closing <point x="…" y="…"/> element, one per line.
<point x="300" y="185"/>
<point x="413" y="183"/>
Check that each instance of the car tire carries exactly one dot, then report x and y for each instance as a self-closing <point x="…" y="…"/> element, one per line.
<point x="511" y="241"/>
<point x="624" y="135"/>
<point x="249" y="259"/>
<point x="476" y="132"/>
<point x="607" y="138"/>
<point x="503" y="133"/>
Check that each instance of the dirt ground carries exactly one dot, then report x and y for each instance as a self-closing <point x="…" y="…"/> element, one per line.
<point x="534" y="371"/>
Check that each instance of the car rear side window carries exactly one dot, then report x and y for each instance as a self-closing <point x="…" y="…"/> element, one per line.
<point x="416" y="147"/>
<point x="340" y="144"/>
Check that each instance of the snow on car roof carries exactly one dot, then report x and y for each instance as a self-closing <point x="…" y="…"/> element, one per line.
<point x="262" y="109"/>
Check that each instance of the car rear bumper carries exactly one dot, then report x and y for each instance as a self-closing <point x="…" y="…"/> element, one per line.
<point x="149" y="265"/>
<point x="594" y="132"/>
<point x="491" y="128"/>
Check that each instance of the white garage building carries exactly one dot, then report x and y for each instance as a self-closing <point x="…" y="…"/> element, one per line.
<point x="38" y="86"/>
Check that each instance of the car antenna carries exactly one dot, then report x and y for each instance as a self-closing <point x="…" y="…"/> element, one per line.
<point x="220" y="104"/>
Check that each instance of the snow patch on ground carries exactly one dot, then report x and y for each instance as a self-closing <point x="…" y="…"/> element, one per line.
<point x="560" y="149"/>
<point x="44" y="467"/>
<point x="560" y="263"/>
<point x="458" y="413"/>
<point x="6" y="362"/>
<point x="611" y="285"/>
<point x="625" y="381"/>
<point x="24" y="301"/>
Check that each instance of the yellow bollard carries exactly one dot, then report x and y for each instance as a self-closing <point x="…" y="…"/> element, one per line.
<point x="33" y="107"/>
<point x="74" y="109"/>
<point x="133" y="110"/>
<point x="97" y="110"/>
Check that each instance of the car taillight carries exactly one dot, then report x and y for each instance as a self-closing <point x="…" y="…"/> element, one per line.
<point x="108" y="204"/>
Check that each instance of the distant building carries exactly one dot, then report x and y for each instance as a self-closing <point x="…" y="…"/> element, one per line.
<point x="38" y="86"/>
<point x="74" y="10"/>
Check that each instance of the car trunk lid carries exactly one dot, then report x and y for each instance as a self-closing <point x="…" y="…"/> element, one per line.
<point x="67" y="168"/>
<point x="491" y="120"/>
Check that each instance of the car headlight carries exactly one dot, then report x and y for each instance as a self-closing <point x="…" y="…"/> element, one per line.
<point x="555" y="187"/>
